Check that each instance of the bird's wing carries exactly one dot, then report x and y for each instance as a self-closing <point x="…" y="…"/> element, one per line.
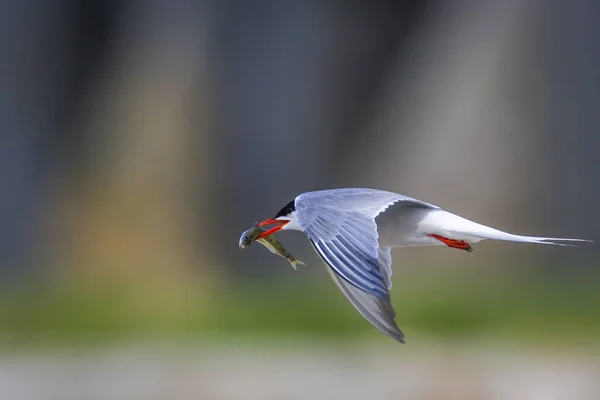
<point x="377" y="310"/>
<point x="341" y="226"/>
<point x="369" y="201"/>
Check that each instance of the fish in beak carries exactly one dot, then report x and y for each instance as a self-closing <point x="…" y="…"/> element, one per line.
<point x="279" y="224"/>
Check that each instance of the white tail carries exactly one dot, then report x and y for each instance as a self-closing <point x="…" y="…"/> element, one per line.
<point x="455" y="227"/>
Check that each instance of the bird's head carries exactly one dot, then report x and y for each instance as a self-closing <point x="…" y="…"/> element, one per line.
<point x="284" y="219"/>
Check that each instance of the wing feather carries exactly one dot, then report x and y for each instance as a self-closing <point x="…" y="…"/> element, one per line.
<point x="377" y="310"/>
<point x="355" y="274"/>
<point x="341" y="226"/>
<point x="352" y="257"/>
<point x="385" y="263"/>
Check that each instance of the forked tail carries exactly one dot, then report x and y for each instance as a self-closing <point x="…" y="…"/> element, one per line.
<point x="455" y="227"/>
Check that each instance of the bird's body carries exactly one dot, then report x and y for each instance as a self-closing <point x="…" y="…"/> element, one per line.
<point x="353" y="231"/>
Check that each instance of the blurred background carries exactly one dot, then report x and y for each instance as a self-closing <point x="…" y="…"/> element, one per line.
<point x="139" y="139"/>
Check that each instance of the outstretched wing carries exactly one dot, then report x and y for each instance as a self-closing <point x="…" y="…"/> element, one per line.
<point x="377" y="310"/>
<point x="352" y="251"/>
<point x="341" y="226"/>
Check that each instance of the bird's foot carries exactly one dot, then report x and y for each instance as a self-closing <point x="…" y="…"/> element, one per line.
<point x="457" y="244"/>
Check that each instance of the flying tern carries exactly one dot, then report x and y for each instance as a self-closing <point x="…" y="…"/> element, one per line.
<point x="353" y="231"/>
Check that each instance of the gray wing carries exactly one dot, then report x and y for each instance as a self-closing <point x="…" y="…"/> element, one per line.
<point x="377" y="310"/>
<point x="352" y="251"/>
<point x="368" y="201"/>
<point x="341" y="226"/>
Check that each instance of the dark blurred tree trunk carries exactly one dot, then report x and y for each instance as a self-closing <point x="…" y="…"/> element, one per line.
<point x="573" y="60"/>
<point x="45" y="48"/>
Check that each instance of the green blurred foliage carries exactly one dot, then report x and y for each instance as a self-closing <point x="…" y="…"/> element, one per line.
<point x="529" y="310"/>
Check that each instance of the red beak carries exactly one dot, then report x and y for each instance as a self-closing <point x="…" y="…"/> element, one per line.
<point x="280" y="224"/>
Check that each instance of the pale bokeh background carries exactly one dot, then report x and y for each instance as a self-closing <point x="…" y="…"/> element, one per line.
<point x="139" y="140"/>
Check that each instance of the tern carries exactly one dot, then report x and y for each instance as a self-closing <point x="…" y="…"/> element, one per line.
<point x="353" y="231"/>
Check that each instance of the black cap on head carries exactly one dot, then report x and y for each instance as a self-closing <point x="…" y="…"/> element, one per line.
<point x="288" y="209"/>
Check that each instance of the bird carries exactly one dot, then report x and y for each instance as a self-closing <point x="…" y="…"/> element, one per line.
<point x="354" y="229"/>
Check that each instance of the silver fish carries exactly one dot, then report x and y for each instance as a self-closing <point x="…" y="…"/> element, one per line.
<point x="249" y="236"/>
<point x="274" y="246"/>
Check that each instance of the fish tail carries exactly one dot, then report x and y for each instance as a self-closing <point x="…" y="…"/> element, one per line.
<point x="295" y="263"/>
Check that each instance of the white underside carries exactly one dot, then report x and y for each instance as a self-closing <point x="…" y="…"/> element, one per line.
<point x="412" y="227"/>
<point x="452" y="226"/>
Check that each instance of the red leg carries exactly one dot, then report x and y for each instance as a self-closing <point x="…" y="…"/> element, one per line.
<point x="457" y="244"/>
